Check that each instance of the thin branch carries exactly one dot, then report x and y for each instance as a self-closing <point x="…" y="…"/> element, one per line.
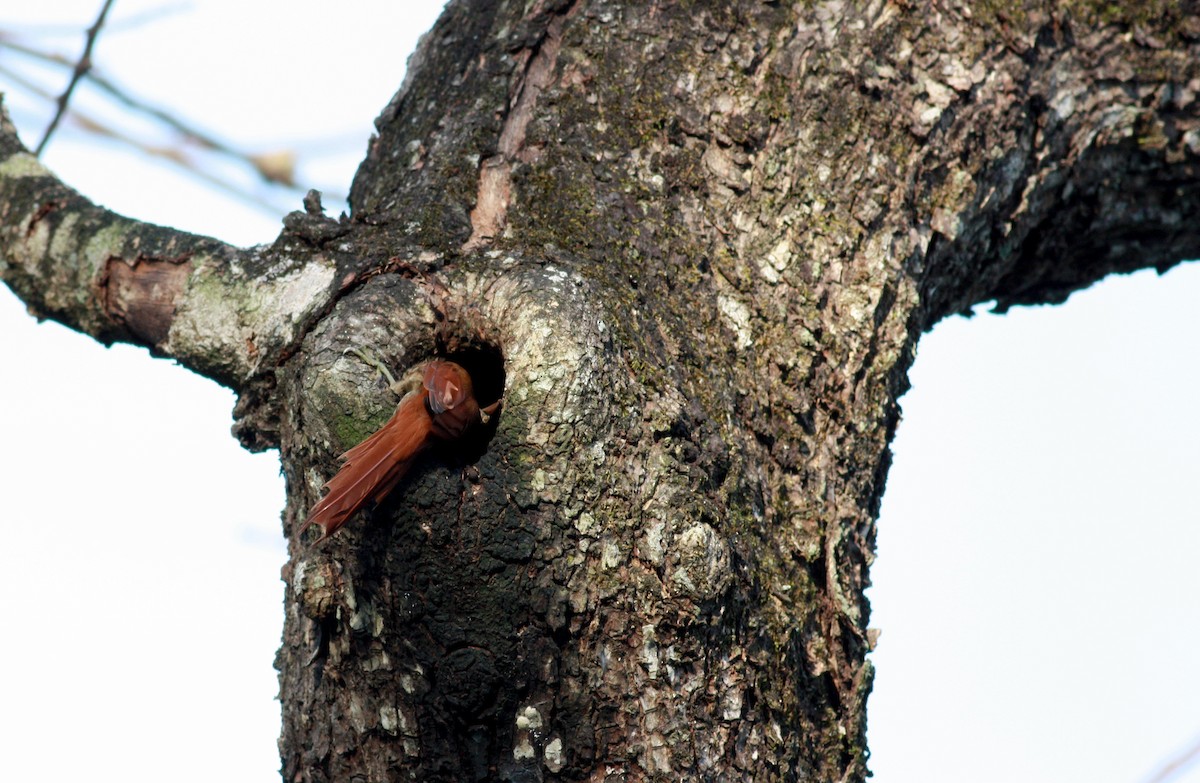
<point x="131" y="22"/>
<point x="199" y="137"/>
<point x="175" y="155"/>
<point x="277" y="168"/>
<point x="1177" y="764"/>
<point x="180" y="158"/>
<point x="119" y="94"/>
<point x="81" y="67"/>
<point x="21" y="81"/>
<point x="147" y="17"/>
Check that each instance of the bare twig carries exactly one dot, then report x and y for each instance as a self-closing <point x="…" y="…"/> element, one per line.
<point x="81" y="67"/>
<point x="190" y="132"/>
<point x="275" y="167"/>
<point x="131" y="21"/>
<point x="174" y="155"/>
<point x="1177" y="764"/>
<point x="147" y="17"/>
<point x="16" y="78"/>
<point x="177" y="156"/>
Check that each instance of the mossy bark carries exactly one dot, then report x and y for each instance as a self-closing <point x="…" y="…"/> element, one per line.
<point x="691" y="247"/>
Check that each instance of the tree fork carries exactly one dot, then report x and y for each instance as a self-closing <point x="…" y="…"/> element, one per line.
<point x="692" y="245"/>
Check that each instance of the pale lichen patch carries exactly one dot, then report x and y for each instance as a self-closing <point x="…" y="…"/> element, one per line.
<point x="221" y="319"/>
<point x="702" y="571"/>
<point x="389" y="719"/>
<point x="649" y="651"/>
<point x="528" y="717"/>
<point x="357" y="717"/>
<point x="528" y="722"/>
<point x="611" y="555"/>
<point x="23" y="164"/>
<point x="737" y="317"/>
<point x="553" y="755"/>
<point x="105" y="244"/>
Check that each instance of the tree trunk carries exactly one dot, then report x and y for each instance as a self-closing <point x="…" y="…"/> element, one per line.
<point x="690" y="247"/>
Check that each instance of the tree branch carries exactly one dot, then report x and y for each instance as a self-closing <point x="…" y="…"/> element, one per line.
<point x="82" y="66"/>
<point x="224" y="312"/>
<point x="1080" y="162"/>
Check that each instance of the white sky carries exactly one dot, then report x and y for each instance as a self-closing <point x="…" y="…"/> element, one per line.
<point x="1036" y="581"/>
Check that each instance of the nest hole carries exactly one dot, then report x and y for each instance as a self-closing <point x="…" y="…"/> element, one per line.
<point x="484" y="362"/>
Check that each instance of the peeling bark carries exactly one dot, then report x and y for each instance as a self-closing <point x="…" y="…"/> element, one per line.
<point x="691" y="246"/>
<point x="144" y="294"/>
<point x="488" y="218"/>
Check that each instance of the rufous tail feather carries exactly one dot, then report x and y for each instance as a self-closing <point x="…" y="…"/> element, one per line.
<point x="373" y="468"/>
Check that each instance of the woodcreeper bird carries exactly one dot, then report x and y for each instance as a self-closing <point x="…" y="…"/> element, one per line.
<point x="443" y="408"/>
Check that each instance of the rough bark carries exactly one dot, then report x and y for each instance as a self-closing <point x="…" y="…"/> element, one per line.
<point x="691" y="246"/>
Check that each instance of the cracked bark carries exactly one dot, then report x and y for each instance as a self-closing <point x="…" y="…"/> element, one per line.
<point x="693" y="245"/>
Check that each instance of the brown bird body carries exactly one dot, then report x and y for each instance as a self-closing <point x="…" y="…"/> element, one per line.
<point x="443" y="408"/>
